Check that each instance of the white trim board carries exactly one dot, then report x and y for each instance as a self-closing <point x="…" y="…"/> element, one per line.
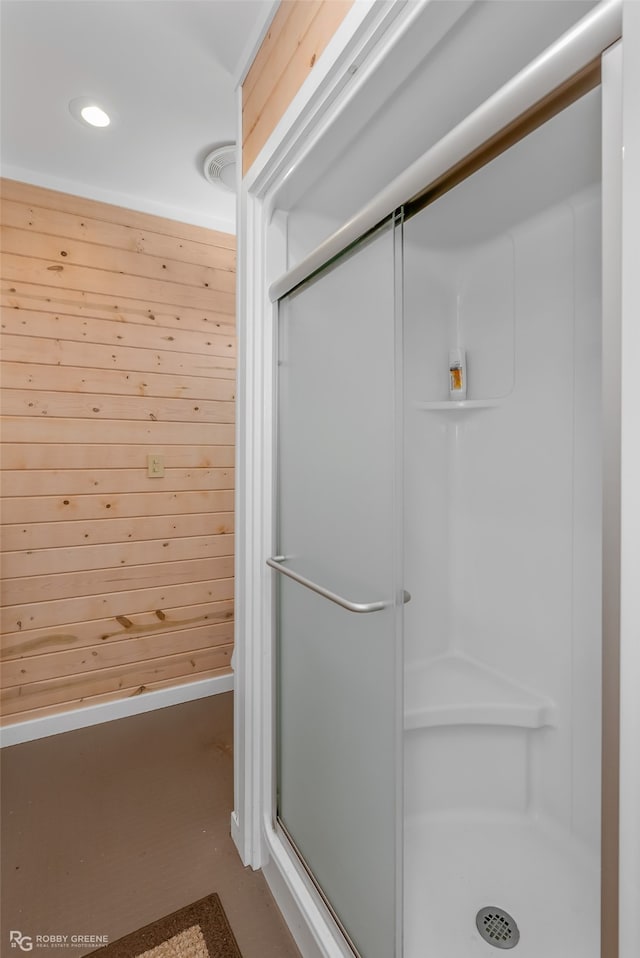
<point x="110" y="711"/>
<point x="253" y="44"/>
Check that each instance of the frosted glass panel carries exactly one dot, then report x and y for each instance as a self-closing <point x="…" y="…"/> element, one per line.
<point x="338" y="708"/>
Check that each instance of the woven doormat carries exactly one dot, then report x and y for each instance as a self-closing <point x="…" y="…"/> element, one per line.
<point x="200" y="930"/>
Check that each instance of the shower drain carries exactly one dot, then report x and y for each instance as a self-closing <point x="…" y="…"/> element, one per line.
<point x="497" y="927"/>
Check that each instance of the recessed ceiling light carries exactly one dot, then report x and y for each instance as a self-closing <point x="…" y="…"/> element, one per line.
<point x="86" y="110"/>
<point x="95" y="115"/>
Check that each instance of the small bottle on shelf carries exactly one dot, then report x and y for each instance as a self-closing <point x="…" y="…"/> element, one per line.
<point x="457" y="374"/>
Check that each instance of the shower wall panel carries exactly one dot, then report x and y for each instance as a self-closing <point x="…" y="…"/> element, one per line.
<point x="502" y="489"/>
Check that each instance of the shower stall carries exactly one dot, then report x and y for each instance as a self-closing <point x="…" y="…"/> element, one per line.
<point x="444" y="369"/>
<point x="503" y="546"/>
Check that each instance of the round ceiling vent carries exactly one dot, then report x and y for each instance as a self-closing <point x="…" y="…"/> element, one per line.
<point x="220" y="166"/>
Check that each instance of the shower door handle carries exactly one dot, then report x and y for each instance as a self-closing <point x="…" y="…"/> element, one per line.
<point x="275" y="562"/>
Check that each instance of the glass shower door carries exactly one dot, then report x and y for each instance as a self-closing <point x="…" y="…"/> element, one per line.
<point x="339" y="599"/>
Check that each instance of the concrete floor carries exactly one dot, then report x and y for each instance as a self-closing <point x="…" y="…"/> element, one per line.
<point x="109" y="828"/>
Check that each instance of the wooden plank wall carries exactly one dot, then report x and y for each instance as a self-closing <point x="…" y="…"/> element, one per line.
<point x="118" y="342"/>
<point x="299" y="32"/>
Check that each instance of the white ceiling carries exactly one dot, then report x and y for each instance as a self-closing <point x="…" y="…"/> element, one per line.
<point x="165" y="69"/>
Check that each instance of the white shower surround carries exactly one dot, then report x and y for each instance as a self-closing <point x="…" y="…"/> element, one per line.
<point x="253" y="831"/>
<point x="503" y="690"/>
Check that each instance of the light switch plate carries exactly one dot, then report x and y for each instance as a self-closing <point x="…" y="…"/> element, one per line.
<point x="155" y="467"/>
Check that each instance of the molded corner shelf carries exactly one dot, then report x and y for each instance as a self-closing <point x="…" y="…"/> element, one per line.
<point x="457" y="405"/>
<point x="456" y="690"/>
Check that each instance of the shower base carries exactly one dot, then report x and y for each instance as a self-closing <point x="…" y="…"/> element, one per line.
<point x="455" y="865"/>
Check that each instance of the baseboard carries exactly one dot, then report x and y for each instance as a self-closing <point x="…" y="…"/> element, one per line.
<point x="109" y="711"/>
